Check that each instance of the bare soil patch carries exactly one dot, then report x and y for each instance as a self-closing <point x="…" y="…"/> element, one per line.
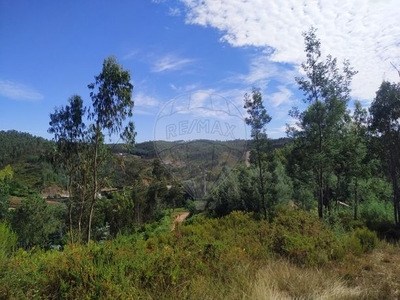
<point x="179" y="218"/>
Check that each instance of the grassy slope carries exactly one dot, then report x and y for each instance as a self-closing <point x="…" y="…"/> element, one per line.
<point x="228" y="258"/>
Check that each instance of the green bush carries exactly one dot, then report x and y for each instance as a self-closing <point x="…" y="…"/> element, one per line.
<point x="368" y="239"/>
<point x="203" y="257"/>
<point x="376" y="214"/>
<point x="302" y="238"/>
<point x="351" y="244"/>
<point x="191" y="207"/>
<point x="8" y="241"/>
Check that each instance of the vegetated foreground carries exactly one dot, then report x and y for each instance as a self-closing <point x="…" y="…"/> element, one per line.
<point x="235" y="257"/>
<point x="339" y="173"/>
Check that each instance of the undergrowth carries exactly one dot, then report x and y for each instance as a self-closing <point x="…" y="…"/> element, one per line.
<point x="234" y="257"/>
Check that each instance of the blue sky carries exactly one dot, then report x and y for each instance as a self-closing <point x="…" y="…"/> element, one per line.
<point x="50" y="50"/>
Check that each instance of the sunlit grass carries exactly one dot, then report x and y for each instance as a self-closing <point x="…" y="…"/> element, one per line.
<point x="282" y="280"/>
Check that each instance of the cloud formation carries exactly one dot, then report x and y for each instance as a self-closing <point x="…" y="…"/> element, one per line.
<point x="174" y="12"/>
<point x="367" y="32"/>
<point x="142" y="100"/>
<point x="170" y="62"/>
<point x="17" y="91"/>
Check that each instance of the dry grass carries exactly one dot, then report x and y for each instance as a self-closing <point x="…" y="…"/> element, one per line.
<point x="281" y="280"/>
<point x="373" y="276"/>
<point x="378" y="272"/>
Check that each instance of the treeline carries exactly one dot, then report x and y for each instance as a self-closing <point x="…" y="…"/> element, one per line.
<point x="338" y="162"/>
<point x="343" y="162"/>
<point x="88" y="172"/>
<point x="20" y="146"/>
<point x="27" y="155"/>
<point x="148" y="150"/>
<point x="306" y="199"/>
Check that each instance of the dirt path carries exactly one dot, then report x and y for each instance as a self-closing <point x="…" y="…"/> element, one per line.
<point x="179" y="218"/>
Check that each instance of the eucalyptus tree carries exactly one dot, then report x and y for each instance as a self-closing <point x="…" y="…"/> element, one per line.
<point x="359" y="150"/>
<point x="112" y="103"/>
<point x="326" y="90"/>
<point x="69" y="130"/>
<point x="350" y="163"/>
<point x="385" y="121"/>
<point x="257" y="119"/>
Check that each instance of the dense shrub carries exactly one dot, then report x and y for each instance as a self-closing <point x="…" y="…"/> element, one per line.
<point x="203" y="259"/>
<point x="302" y="238"/>
<point x="368" y="239"/>
<point x="8" y="241"/>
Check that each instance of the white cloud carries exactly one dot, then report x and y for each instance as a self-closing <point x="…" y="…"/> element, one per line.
<point x="367" y="32"/>
<point x="183" y="89"/>
<point x="277" y="132"/>
<point x="143" y="112"/>
<point x="170" y="62"/>
<point x="280" y="97"/>
<point x="17" y="91"/>
<point x="130" y="55"/>
<point x="174" y="12"/>
<point x="143" y="100"/>
<point x="262" y="70"/>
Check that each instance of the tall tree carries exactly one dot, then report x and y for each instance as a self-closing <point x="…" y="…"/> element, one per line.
<point x="257" y="119"/>
<point x="112" y="103"/>
<point x="327" y="91"/>
<point x="69" y="130"/>
<point x="357" y="150"/>
<point x="82" y="151"/>
<point x="385" y="121"/>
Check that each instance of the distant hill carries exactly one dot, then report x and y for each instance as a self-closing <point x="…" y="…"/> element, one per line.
<point x="147" y="149"/>
<point x="199" y="163"/>
<point x="20" y="146"/>
<point x="25" y="153"/>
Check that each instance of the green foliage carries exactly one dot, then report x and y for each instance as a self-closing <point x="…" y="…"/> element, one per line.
<point x="349" y="244"/>
<point x="239" y="189"/>
<point x="376" y="214"/>
<point x="375" y="209"/>
<point x="190" y="205"/>
<point x="118" y="213"/>
<point x="279" y="185"/>
<point x="258" y="119"/>
<point x="8" y="242"/>
<point x="18" y="146"/>
<point x="202" y="258"/>
<point x="6" y="175"/>
<point x="156" y="263"/>
<point x="367" y="238"/>
<point x="385" y="116"/>
<point x="226" y="197"/>
<point x="320" y="127"/>
<point x="357" y="242"/>
<point x="37" y="223"/>
<point x="80" y="151"/>
<point x="302" y="238"/>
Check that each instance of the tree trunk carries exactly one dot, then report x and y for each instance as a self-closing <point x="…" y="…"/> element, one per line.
<point x="396" y="193"/>
<point x="95" y="181"/>
<point x="320" y="177"/>
<point x="261" y="177"/>
<point x="356" y="199"/>
<point x="320" y="194"/>
<point x="71" y="232"/>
